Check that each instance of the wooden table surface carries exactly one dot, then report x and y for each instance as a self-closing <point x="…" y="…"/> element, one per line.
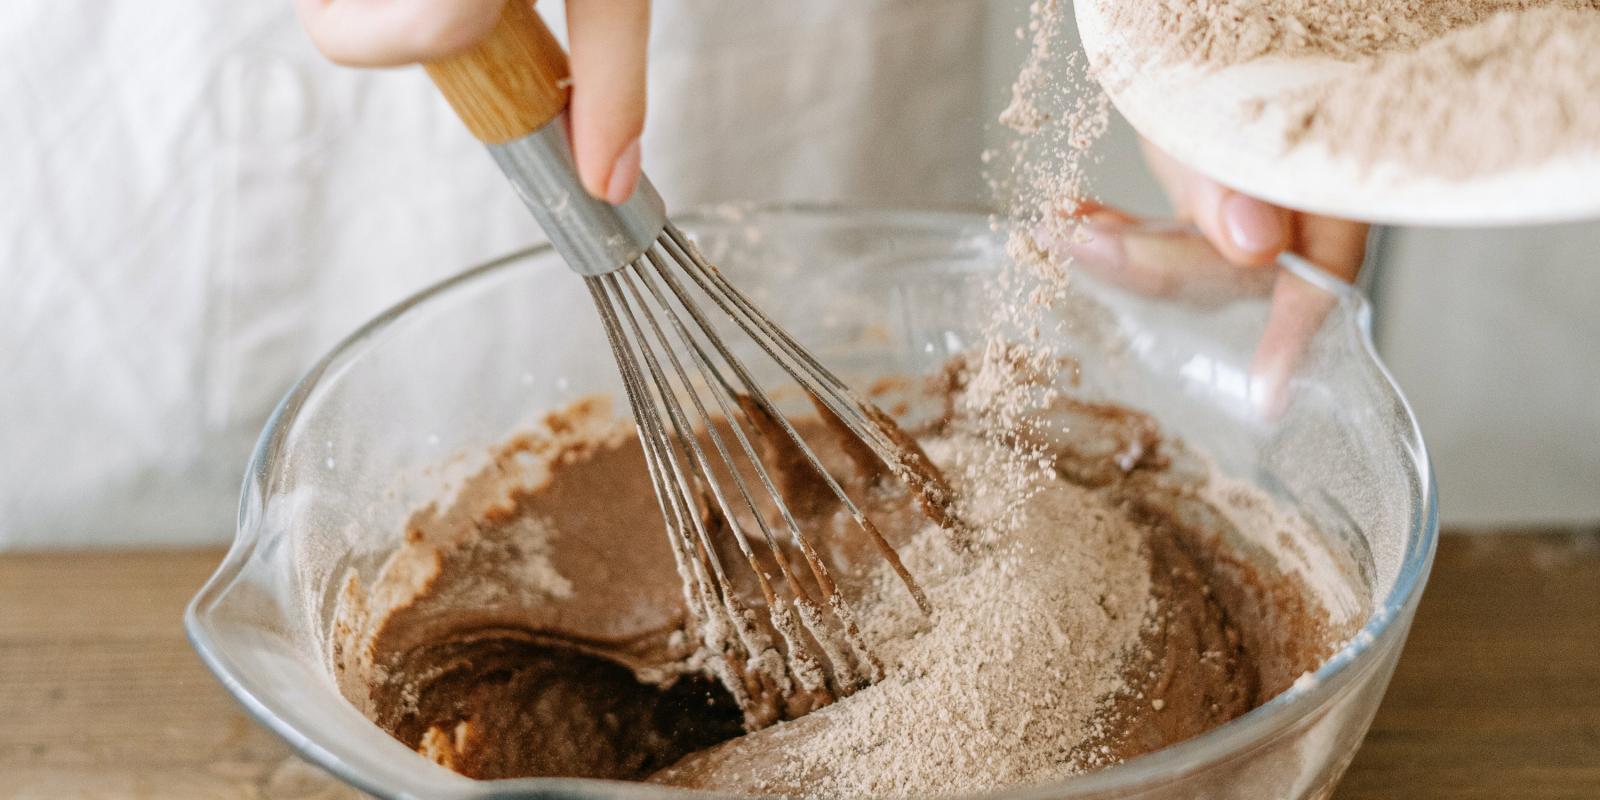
<point x="1497" y="695"/>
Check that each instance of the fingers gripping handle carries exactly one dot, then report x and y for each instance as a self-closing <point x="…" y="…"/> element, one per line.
<point x="511" y="83"/>
<point x="511" y="90"/>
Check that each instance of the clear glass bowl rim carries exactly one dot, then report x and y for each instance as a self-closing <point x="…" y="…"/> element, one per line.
<point x="1226" y="742"/>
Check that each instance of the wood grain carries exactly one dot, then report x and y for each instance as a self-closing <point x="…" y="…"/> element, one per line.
<point x="1498" y="692"/>
<point x="1497" y="695"/>
<point x="511" y="83"/>
<point x="101" y="695"/>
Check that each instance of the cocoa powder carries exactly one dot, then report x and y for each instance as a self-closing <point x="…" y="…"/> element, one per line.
<point x="1450" y="88"/>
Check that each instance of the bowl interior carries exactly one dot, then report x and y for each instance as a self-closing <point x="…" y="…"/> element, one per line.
<point x="411" y="403"/>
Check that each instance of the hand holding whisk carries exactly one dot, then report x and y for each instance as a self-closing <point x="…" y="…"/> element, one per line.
<point x="702" y="418"/>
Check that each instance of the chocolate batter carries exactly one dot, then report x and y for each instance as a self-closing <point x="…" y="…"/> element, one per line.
<point x="536" y="624"/>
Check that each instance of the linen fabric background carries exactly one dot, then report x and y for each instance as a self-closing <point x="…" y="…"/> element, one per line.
<point x="194" y="206"/>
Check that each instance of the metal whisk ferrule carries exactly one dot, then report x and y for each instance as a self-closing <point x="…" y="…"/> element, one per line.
<point x="594" y="236"/>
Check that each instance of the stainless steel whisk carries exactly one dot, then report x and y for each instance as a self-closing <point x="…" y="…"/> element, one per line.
<point x="700" y="413"/>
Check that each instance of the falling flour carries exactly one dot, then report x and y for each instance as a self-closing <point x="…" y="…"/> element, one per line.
<point x="1095" y="608"/>
<point x="1005" y="686"/>
<point x="1056" y="114"/>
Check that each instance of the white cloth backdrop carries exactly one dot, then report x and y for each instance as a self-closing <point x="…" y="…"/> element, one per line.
<point x="193" y="206"/>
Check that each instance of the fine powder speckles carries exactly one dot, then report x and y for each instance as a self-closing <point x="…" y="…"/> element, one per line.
<point x="1056" y="114"/>
<point x="1005" y="686"/>
<point x="1506" y="92"/>
<point x="1039" y="614"/>
<point x="1451" y="88"/>
<point x="1235" y="31"/>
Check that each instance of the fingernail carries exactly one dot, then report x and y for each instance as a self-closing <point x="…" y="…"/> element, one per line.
<point x="624" y="175"/>
<point x="1252" y="225"/>
<point x="1268" y="393"/>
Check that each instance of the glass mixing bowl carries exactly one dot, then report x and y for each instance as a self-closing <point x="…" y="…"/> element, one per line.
<point x="413" y="399"/>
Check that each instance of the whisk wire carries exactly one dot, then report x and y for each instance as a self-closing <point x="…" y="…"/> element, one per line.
<point x="657" y="456"/>
<point x="863" y="428"/>
<point x="800" y="596"/>
<point x="824" y="580"/>
<point x="685" y="437"/>
<point x="845" y="404"/>
<point x="809" y="610"/>
<point x="655" y="319"/>
<point x="753" y="666"/>
<point x="801" y="666"/>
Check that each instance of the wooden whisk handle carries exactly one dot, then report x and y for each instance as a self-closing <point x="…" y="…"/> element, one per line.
<point x="509" y="84"/>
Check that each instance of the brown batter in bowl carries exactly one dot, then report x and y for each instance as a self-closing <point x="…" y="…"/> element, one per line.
<point x="395" y="420"/>
<point x="535" y="626"/>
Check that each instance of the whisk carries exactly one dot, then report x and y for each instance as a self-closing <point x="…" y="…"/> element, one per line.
<point x="700" y="415"/>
